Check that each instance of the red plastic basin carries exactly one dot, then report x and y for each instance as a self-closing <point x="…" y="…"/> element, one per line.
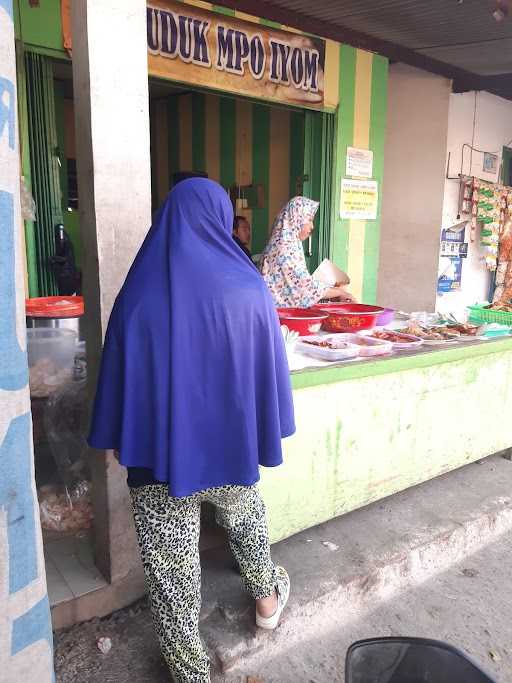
<point x="302" y="320"/>
<point x="349" y="317"/>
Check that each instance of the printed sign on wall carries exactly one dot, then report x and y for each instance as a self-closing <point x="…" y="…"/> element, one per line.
<point x="359" y="199"/>
<point x="359" y="162"/>
<point x="452" y="241"/>
<point x="450" y="274"/>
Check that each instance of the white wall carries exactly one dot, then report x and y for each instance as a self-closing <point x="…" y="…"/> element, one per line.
<point x="413" y="189"/>
<point x="490" y="118"/>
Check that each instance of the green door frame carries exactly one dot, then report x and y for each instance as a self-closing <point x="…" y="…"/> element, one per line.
<point x="506" y="166"/>
<point x="26" y="170"/>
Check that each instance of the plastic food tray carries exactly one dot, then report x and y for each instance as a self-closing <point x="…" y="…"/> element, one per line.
<point x="444" y="342"/>
<point x="410" y="342"/>
<point x="480" y="314"/>
<point x="324" y="353"/>
<point x="373" y="347"/>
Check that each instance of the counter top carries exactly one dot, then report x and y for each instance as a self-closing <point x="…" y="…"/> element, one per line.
<point x="424" y="356"/>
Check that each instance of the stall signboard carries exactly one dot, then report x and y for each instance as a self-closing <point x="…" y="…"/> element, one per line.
<point x="359" y="199"/>
<point x="191" y="45"/>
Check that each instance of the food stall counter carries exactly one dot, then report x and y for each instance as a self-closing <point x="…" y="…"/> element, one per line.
<point x="369" y="428"/>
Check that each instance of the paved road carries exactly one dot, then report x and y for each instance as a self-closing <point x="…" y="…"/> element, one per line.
<point x="469" y="606"/>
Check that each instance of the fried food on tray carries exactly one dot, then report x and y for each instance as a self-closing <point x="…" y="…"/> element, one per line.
<point x="501" y="306"/>
<point x="441" y="332"/>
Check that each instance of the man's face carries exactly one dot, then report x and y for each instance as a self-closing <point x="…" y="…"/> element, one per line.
<point x="243" y="232"/>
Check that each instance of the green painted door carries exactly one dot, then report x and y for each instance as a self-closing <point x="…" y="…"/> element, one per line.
<point x="318" y="168"/>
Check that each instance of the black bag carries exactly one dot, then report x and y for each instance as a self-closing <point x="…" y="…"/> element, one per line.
<point x="63" y="264"/>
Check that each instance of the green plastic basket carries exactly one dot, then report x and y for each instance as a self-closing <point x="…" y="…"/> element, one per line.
<point x="480" y="314"/>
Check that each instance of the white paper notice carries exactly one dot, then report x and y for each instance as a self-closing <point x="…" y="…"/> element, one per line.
<point x="359" y="162"/>
<point x="359" y="199"/>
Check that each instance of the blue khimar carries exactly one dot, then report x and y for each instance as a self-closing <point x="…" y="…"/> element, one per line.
<point x="194" y="383"/>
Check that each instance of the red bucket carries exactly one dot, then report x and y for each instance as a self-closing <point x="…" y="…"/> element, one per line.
<point x="302" y="320"/>
<point x="349" y="317"/>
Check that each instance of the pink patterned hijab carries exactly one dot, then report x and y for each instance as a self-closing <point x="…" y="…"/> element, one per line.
<point x="283" y="265"/>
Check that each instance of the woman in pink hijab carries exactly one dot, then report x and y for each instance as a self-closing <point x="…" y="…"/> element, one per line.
<point x="283" y="264"/>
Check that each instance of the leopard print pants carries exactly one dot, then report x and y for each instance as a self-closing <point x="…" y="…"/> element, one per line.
<point x="168" y="535"/>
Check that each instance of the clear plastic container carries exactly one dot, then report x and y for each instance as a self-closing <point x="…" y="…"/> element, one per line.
<point x="368" y="346"/>
<point x="343" y="350"/>
<point x="54" y="344"/>
<point x="51" y="355"/>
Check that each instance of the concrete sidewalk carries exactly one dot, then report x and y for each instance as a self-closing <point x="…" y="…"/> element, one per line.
<point x="340" y="571"/>
<point x="467" y="606"/>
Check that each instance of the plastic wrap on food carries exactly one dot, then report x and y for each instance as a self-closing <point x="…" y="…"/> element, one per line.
<point x="28" y="205"/>
<point x="47" y="378"/>
<point x="65" y="511"/>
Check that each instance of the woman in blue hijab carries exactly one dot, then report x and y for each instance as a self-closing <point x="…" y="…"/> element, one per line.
<point x="194" y="393"/>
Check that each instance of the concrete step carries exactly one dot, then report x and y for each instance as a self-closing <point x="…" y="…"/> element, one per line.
<point x="344" y="567"/>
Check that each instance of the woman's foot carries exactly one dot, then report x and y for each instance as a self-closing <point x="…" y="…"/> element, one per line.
<point x="269" y="609"/>
<point x="266" y="607"/>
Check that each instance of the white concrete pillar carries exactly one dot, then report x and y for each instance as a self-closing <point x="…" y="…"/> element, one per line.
<point x="110" y="83"/>
<point x="25" y="628"/>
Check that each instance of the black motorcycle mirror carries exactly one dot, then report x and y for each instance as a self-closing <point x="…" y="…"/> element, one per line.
<point x="410" y="660"/>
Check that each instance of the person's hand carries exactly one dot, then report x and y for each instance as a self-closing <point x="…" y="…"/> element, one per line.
<point x="339" y="294"/>
<point x="346" y="296"/>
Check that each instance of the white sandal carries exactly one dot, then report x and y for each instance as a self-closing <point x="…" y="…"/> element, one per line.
<point x="283" y="593"/>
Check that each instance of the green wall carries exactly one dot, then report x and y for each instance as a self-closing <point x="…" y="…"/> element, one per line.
<point x="335" y="463"/>
<point x="360" y="122"/>
<point x="233" y="140"/>
<point x="40" y="27"/>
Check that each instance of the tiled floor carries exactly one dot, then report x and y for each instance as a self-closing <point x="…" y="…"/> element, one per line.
<point x="70" y="570"/>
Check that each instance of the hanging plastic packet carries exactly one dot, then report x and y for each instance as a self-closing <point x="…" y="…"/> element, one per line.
<point x="28" y="205"/>
<point x="487" y="205"/>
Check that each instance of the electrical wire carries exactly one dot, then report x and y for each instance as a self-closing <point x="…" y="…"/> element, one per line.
<point x="473" y="149"/>
<point x="472" y="137"/>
